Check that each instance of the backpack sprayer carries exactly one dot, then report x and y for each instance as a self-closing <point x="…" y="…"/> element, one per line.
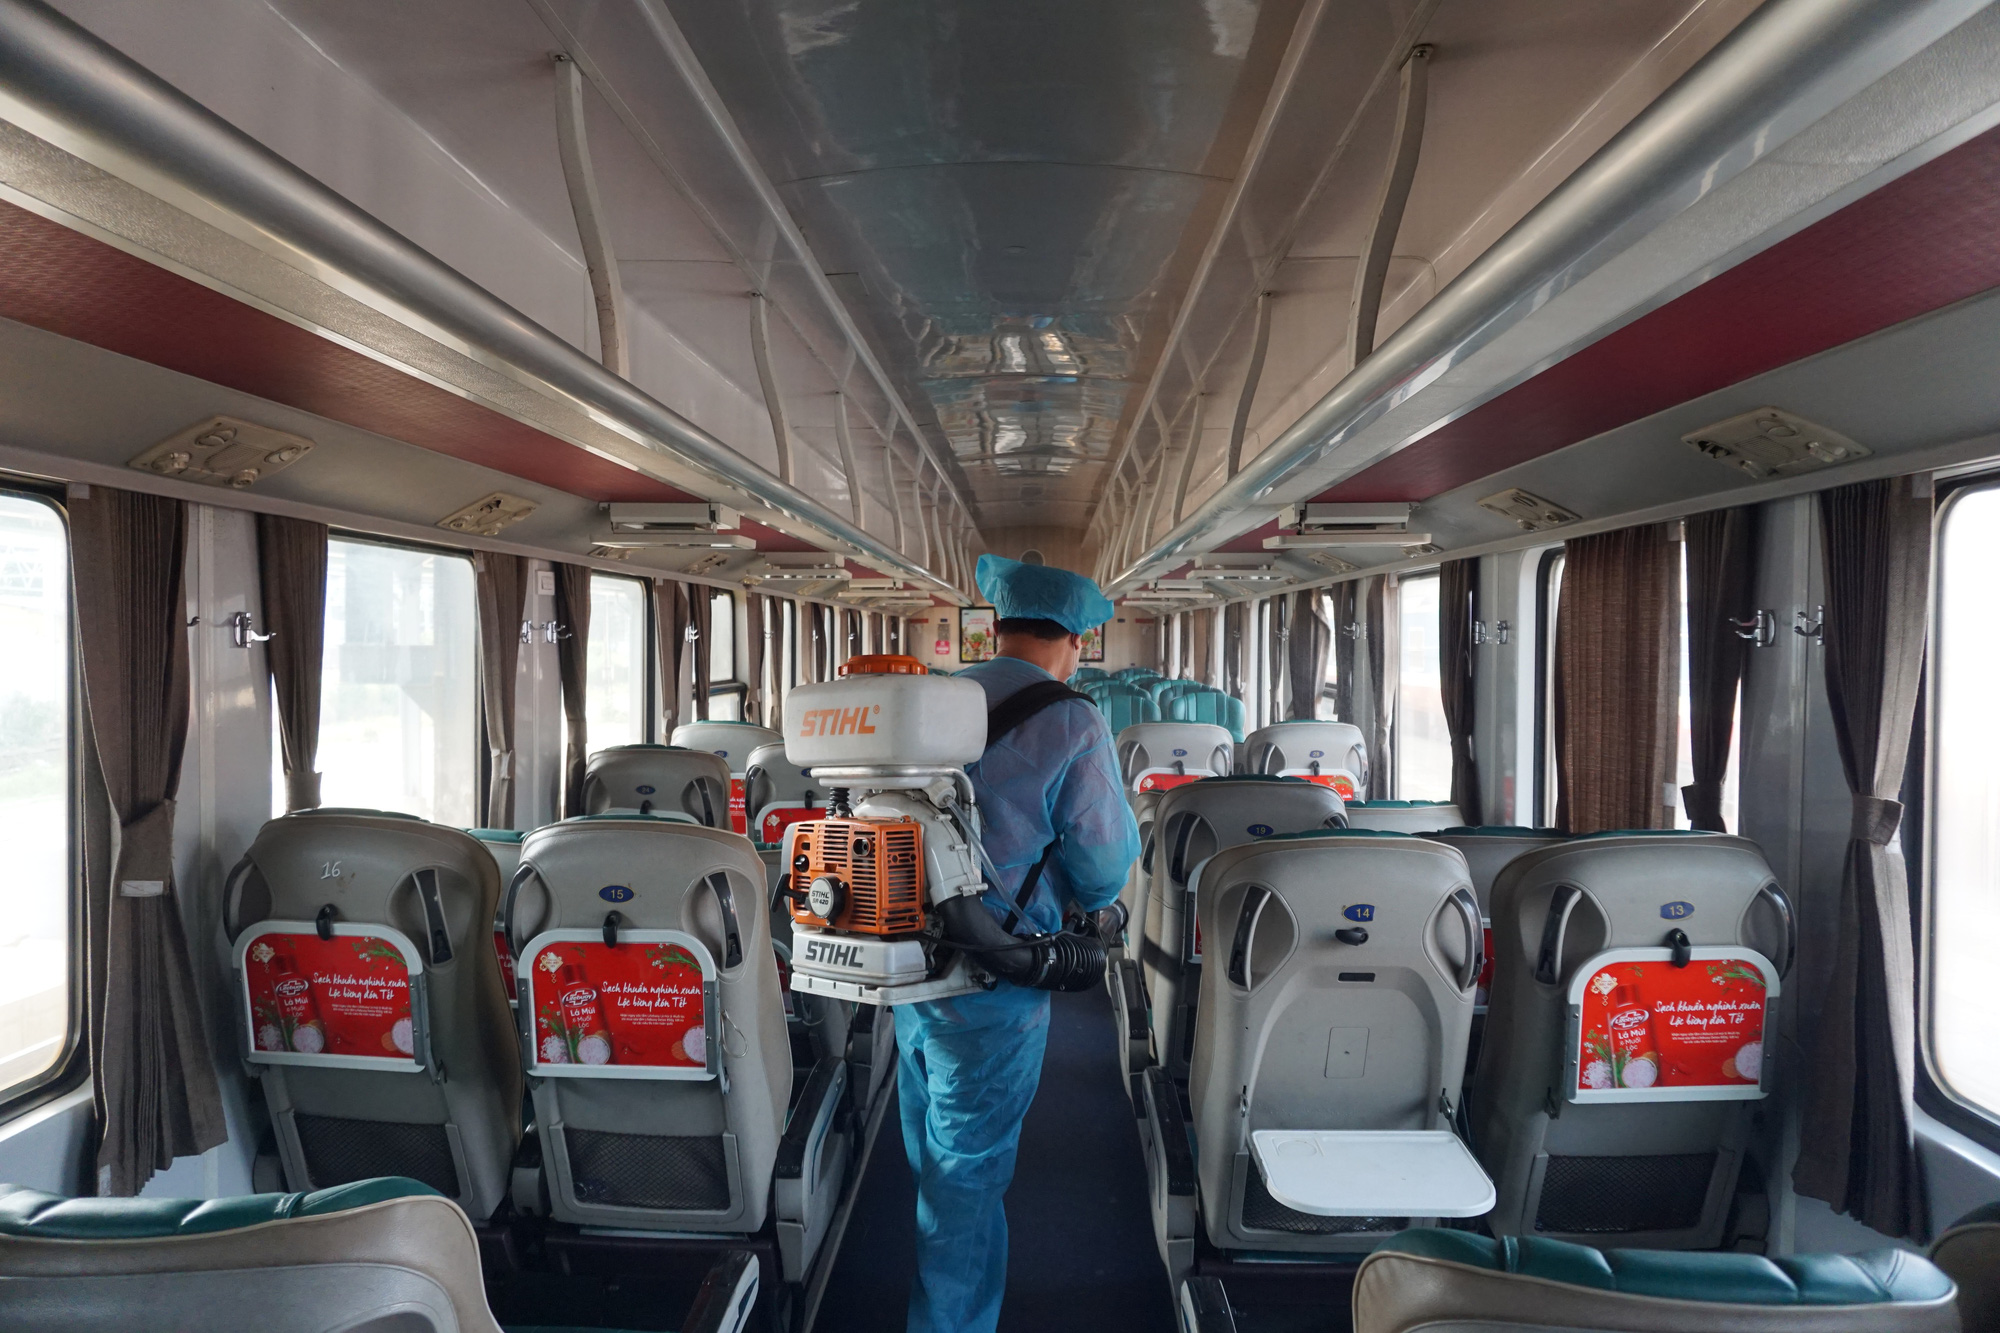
<point x="884" y="891"/>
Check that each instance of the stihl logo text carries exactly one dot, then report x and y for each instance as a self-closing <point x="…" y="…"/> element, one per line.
<point x="839" y="721"/>
<point x="833" y="955"/>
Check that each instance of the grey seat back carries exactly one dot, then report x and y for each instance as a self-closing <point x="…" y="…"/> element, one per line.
<point x="649" y="779"/>
<point x="504" y="846"/>
<point x="361" y="1257"/>
<point x="770" y="779"/>
<point x="1654" y="1173"/>
<point x="1969" y="1253"/>
<point x="1301" y="747"/>
<point x="690" y="1152"/>
<point x="1191" y="824"/>
<point x="1336" y="995"/>
<point x="732" y="742"/>
<point x="1419" y="817"/>
<point x="1489" y="850"/>
<point x="453" y="1120"/>
<point x="1174" y="747"/>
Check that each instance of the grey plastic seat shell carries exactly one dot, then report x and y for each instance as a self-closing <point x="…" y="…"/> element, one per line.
<point x="1198" y="747"/>
<point x="1725" y="884"/>
<point x="733" y="742"/>
<point x="416" y="1256"/>
<point x="667" y="866"/>
<point x="1969" y="1253"/>
<point x="1286" y="747"/>
<point x="1489" y="851"/>
<point x="475" y="1105"/>
<point x="1418" y="817"/>
<point x="1327" y="1033"/>
<point x="666" y="778"/>
<point x="1191" y="824"/>
<point x="771" y="779"/>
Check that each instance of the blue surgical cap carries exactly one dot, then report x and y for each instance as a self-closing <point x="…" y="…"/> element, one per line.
<point x="1042" y="592"/>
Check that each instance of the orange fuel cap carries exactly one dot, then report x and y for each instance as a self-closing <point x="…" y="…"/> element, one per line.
<point x="883" y="664"/>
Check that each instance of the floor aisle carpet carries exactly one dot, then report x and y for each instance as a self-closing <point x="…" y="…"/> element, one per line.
<point x="1081" y="1252"/>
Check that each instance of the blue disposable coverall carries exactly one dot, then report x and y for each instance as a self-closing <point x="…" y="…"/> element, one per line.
<point x="969" y="1066"/>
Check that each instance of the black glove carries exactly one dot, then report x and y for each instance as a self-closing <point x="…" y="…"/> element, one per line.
<point x="1110" y="923"/>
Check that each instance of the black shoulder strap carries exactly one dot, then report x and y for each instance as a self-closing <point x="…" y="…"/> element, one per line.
<point x="1023" y="704"/>
<point x="1002" y="718"/>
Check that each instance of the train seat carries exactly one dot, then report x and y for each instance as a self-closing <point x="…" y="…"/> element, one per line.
<point x="1419" y="817"/>
<point x="653" y="1026"/>
<point x="1165" y="754"/>
<point x="1209" y="705"/>
<point x="1124" y="706"/>
<point x="1613" y="1125"/>
<point x="369" y="1002"/>
<point x="658" y="779"/>
<point x="778" y="793"/>
<point x="1334" y="752"/>
<point x="734" y="743"/>
<point x="1434" y="1279"/>
<point x="375" y="1256"/>
<point x="1487" y="850"/>
<point x="1329" y="1046"/>
<point x="1192" y="824"/>
<point x="1969" y="1253"/>
<point x="504" y="846"/>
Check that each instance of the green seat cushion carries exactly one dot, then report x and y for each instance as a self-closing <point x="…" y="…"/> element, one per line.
<point x="1501" y="831"/>
<point x="1648" y="833"/>
<point x="33" y="1215"/>
<point x="498" y="834"/>
<point x="1336" y="833"/>
<point x="1874" y="1278"/>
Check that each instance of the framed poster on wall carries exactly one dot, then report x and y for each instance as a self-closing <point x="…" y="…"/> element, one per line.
<point x="975" y="633"/>
<point x="1093" y="644"/>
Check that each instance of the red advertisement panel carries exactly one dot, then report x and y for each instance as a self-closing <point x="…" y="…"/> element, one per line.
<point x="1163" y="780"/>
<point x="636" y="1005"/>
<point x="1651" y="1031"/>
<point x="1341" y="782"/>
<point x="739" y="808"/>
<point x="506" y="957"/>
<point x="348" y="996"/>
<point x="777" y="818"/>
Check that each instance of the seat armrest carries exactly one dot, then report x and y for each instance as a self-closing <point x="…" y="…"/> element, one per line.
<point x="811" y="1118"/>
<point x="1165" y="1100"/>
<point x="1205" y="1307"/>
<point x="727" y="1297"/>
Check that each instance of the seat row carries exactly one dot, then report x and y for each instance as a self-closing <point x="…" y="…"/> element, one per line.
<point x="1301" y="992"/>
<point x="401" y="985"/>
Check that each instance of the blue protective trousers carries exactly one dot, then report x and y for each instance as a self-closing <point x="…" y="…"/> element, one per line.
<point x="967" y="1071"/>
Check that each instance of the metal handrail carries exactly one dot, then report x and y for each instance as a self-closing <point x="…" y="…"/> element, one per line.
<point x="1785" y="66"/>
<point x="53" y="71"/>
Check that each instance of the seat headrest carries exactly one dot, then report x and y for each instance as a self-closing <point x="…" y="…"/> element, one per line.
<point x="33" y="1215"/>
<point x="1874" y="1278"/>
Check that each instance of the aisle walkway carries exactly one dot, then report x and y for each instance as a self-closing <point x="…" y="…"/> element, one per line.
<point x="1081" y="1252"/>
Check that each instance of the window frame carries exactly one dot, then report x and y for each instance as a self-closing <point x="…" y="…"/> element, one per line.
<point x="1932" y="1094"/>
<point x="71" y="1069"/>
<point x="1545" y="683"/>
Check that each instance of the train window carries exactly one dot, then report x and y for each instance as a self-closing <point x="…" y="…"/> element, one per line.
<point x="1964" y="897"/>
<point x="399" y="692"/>
<point x="722" y="636"/>
<point x="1423" y="744"/>
<point x="619" y="666"/>
<point x="35" y="794"/>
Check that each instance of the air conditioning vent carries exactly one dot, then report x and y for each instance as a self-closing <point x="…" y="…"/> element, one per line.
<point x="486" y="516"/>
<point x="223" y="451"/>
<point x="691" y="523"/>
<point x="1527" y="511"/>
<point x="1771" y="442"/>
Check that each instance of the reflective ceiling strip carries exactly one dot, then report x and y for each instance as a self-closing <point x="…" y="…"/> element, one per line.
<point x="1366" y="308"/>
<point x="774" y="402"/>
<point x="573" y="146"/>
<point x="1785" y="66"/>
<point x="895" y="494"/>
<point x="1188" y="456"/>
<point x="846" y="439"/>
<point x="682" y="57"/>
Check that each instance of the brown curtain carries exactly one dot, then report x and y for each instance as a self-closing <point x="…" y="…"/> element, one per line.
<point x="1458" y="608"/>
<point x="1310" y="645"/>
<point x="701" y="614"/>
<point x="1616" y="679"/>
<point x="1859" y="1149"/>
<point x="753" y="658"/>
<point x="291" y="568"/>
<point x="152" y="1071"/>
<point x="1721" y="570"/>
<point x="1347" y="611"/>
<point x="573" y="665"/>
<point x="670" y="627"/>
<point x="1381" y="631"/>
<point x="501" y="583"/>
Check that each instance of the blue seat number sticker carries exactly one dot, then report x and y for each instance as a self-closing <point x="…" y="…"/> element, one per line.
<point x="1180" y="754"/>
<point x="646" y="791"/>
<point x="1315" y="754"/>
<point x="1676" y="911"/>
<point x="616" y="893"/>
<point x="1259" y="830"/>
<point x="1360" y="912"/>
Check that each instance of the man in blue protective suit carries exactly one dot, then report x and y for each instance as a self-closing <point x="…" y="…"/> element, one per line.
<point x="1050" y="798"/>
